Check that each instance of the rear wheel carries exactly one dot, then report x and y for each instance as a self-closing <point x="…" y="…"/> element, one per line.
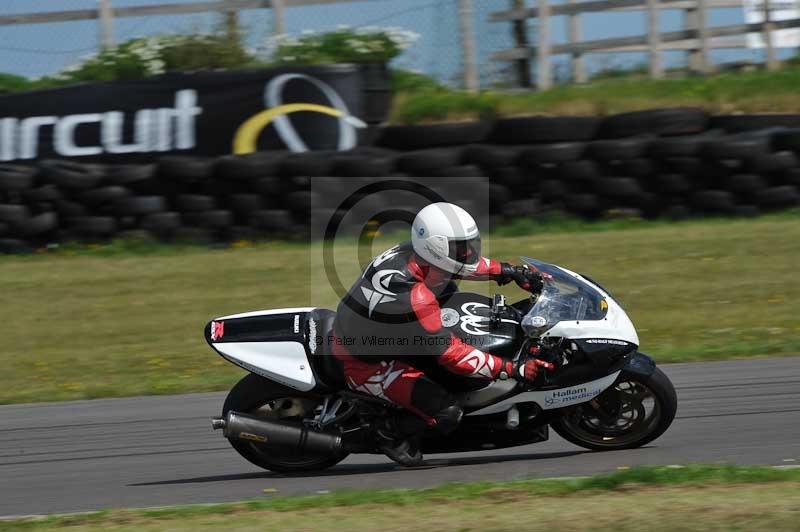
<point x="636" y="410"/>
<point x="260" y="397"/>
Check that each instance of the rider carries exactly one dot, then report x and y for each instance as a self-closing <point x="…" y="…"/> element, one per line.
<point x="392" y="311"/>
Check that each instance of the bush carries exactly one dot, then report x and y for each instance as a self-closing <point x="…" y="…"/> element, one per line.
<point x="345" y="45"/>
<point x="13" y="83"/>
<point x="151" y="56"/>
<point x="431" y="106"/>
<point x="409" y="81"/>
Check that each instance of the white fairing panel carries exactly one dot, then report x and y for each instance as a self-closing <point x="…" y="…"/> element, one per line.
<point x="283" y="362"/>
<point x="616" y="326"/>
<point x="552" y="399"/>
<point x="266" y="313"/>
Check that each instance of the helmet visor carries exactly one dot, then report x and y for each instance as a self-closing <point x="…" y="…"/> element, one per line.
<point x="466" y="251"/>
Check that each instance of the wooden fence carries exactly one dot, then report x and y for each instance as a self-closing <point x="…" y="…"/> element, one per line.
<point x="105" y="14"/>
<point x="697" y="38"/>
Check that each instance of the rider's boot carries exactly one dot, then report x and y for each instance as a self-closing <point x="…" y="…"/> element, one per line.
<point x="400" y="438"/>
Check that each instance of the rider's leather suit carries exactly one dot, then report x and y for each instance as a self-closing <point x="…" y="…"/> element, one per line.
<point x="389" y="326"/>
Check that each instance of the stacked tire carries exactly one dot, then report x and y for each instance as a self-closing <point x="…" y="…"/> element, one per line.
<point x="673" y="163"/>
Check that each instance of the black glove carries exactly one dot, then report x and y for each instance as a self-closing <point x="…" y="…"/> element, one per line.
<point x="525" y="278"/>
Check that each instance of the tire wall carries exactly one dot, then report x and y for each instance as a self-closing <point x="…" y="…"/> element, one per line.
<point x="672" y="163"/>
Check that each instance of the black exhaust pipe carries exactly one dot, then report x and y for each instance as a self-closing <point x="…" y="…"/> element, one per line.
<point x="277" y="433"/>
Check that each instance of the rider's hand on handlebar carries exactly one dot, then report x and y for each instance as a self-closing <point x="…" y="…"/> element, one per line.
<point x="525" y="278"/>
<point x="527" y="370"/>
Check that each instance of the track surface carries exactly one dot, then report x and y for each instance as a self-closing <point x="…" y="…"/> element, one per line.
<point x="152" y="451"/>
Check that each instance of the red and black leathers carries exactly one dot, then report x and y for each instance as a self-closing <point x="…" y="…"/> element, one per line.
<point x="391" y="317"/>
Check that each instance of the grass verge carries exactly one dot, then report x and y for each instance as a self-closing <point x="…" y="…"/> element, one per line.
<point x="120" y="321"/>
<point x="742" y="92"/>
<point x="696" y="497"/>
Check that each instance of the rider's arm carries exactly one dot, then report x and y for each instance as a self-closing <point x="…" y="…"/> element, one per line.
<point x="486" y="270"/>
<point x="461" y="359"/>
<point x="456" y="356"/>
<point x="503" y="273"/>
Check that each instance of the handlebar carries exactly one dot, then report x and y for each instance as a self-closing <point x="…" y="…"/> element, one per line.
<point x="498" y="307"/>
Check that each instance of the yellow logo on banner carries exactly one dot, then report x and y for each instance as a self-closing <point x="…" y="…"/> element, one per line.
<point x="245" y="139"/>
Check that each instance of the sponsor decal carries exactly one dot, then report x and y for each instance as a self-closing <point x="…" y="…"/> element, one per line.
<point x="554" y="399"/>
<point x="606" y="341"/>
<point x="538" y="321"/>
<point x="449" y="317"/>
<point x="472" y="323"/>
<point x="252" y="437"/>
<point x="569" y="396"/>
<point x="296" y="323"/>
<point x="603" y="305"/>
<point x="312" y="336"/>
<point x="246" y="138"/>
<point x="217" y="330"/>
<point x="380" y="293"/>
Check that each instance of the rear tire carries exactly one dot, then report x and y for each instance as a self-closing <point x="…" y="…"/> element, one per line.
<point x="253" y="395"/>
<point x="572" y="425"/>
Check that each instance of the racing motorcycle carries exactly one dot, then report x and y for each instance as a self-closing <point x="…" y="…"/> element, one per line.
<point x="293" y="412"/>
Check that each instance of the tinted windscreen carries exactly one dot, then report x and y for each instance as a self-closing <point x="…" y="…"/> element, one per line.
<point x="564" y="297"/>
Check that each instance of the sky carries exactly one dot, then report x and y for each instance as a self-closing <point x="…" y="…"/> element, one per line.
<point x="36" y="50"/>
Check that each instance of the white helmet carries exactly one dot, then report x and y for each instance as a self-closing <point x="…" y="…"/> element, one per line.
<point x="446" y="236"/>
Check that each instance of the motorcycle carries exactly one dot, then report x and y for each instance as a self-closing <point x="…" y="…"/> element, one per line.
<point x="293" y="412"/>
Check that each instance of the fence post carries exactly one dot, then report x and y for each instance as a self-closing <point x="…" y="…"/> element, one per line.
<point x="769" y="27"/>
<point x="544" y="79"/>
<point x="278" y="17"/>
<point x="106" y="18"/>
<point x="574" y="31"/>
<point x="231" y="22"/>
<point x="654" y="40"/>
<point x="520" y="27"/>
<point x="471" y="82"/>
<point x="703" y="64"/>
<point x="690" y="23"/>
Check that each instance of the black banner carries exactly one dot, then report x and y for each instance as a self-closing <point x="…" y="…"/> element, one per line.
<point x="209" y="113"/>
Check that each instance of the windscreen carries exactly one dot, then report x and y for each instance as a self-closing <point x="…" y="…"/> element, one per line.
<point x="564" y="297"/>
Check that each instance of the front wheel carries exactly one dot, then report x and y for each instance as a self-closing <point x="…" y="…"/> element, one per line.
<point x="636" y="410"/>
<point x="260" y="397"/>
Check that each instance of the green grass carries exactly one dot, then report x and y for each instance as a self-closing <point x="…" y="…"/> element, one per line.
<point x="748" y="92"/>
<point x="128" y="319"/>
<point x="420" y="99"/>
<point x="694" y="497"/>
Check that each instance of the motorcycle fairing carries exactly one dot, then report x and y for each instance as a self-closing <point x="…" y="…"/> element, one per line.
<point x="270" y="343"/>
<point x="614" y="325"/>
<point x="552" y="399"/>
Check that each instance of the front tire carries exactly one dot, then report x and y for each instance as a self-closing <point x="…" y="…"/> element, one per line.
<point x="636" y="410"/>
<point x="258" y="396"/>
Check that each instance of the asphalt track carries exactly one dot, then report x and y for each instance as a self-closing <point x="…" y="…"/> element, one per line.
<point x="155" y="451"/>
